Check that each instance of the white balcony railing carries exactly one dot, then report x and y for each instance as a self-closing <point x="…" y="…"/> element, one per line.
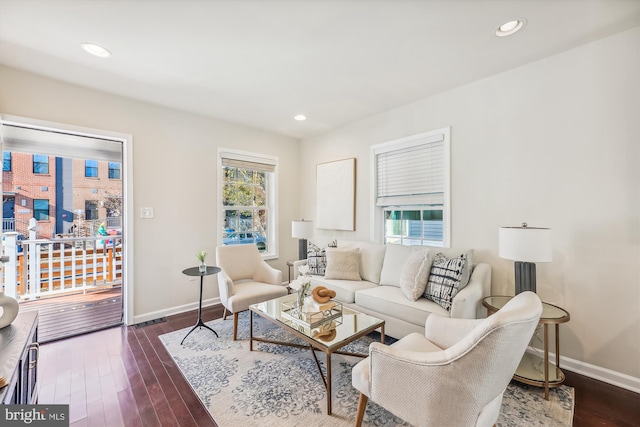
<point x="48" y="267"/>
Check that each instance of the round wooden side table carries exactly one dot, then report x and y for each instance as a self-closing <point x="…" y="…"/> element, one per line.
<point x="533" y="369"/>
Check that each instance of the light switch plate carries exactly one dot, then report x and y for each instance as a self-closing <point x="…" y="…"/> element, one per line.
<point x="146" y="213"/>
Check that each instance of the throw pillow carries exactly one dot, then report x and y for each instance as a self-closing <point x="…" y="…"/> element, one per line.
<point x="453" y="253"/>
<point x="342" y="264"/>
<point x="317" y="258"/>
<point x="413" y="278"/>
<point x="444" y="279"/>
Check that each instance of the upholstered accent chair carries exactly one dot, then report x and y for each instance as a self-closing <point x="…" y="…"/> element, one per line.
<point x="456" y="373"/>
<point x="245" y="279"/>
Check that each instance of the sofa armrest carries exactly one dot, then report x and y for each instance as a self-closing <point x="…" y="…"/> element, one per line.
<point x="467" y="304"/>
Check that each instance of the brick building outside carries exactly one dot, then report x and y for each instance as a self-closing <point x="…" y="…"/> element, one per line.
<point x="67" y="197"/>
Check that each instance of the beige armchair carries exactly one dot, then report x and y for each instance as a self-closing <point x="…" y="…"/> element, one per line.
<point x="245" y="279"/>
<point x="456" y="374"/>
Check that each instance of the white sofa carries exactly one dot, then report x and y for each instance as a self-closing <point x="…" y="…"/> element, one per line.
<point x="379" y="293"/>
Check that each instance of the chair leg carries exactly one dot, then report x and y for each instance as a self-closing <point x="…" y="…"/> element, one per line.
<point x="362" y="405"/>
<point x="224" y="315"/>
<point x="235" y="326"/>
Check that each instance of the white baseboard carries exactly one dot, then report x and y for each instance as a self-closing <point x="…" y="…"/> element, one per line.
<point x="596" y="372"/>
<point x="173" y="310"/>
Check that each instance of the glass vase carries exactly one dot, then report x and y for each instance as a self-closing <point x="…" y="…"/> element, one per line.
<point x="202" y="268"/>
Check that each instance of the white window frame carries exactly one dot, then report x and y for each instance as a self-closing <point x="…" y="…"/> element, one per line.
<point x="272" y="195"/>
<point x="377" y="212"/>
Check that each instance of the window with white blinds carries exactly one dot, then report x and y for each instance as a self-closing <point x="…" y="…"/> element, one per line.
<point x="247" y="200"/>
<point x="412" y="174"/>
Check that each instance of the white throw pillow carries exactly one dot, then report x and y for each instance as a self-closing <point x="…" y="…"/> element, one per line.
<point x="342" y="264"/>
<point x="414" y="275"/>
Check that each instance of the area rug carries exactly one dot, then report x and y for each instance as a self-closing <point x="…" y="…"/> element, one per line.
<point x="276" y="385"/>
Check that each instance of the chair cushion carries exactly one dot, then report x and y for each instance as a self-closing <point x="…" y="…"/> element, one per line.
<point x="345" y="289"/>
<point x="444" y="279"/>
<point x="342" y="264"/>
<point x="413" y="279"/>
<point x="412" y="342"/>
<point x="392" y="302"/>
<point x="247" y="293"/>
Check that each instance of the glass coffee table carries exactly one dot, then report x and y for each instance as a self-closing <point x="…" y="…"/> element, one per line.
<point x="354" y="325"/>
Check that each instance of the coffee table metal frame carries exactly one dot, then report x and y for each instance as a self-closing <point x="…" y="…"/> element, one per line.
<point x="312" y="343"/>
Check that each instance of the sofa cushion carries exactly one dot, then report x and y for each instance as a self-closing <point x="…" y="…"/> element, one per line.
<point x="444" y="279"/>
<point x="394" y="260"/>
<point x="317" y="258"/>
<point x="391" y="301"/>
<point x="371" y="257"/>
<point x="413" y="279"/>
<point x="345" y="289"/>
<point x="453" y="253"/>
<point x="342" y="264"/>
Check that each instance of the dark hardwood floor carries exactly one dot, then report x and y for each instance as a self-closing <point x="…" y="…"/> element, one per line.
<point x="123" y="376"/>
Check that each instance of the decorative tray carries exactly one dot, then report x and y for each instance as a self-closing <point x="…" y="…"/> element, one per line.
<point x="310" y="318"/>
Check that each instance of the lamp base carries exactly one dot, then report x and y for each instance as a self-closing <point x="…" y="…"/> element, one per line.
<point x="302" y="249"/>
<point x="525" y="276"/>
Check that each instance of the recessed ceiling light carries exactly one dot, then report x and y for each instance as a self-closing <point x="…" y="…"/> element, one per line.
<point x="510" y="27"/>
<point x="96" y="50"/>
<point x="300" y="117"/>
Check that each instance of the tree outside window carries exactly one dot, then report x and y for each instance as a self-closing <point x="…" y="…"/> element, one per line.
<point x="245" y="207"/>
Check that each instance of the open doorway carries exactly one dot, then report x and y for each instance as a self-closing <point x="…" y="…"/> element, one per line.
<point x="64" y="225"/>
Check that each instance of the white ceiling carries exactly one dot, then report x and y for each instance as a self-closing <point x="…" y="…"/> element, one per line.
<point x="260" y="62"/>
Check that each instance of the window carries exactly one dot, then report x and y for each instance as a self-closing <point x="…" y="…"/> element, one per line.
<point x="412" y="190"/>
<point x="6" y="161"/>
<point x="40" y="164"/>
<point x="41" y="209"/>
<point x="247" y="200"/>
<point x="114" y="170"/>
<point x="91" y="168"/>
<point x="90" y="209"/>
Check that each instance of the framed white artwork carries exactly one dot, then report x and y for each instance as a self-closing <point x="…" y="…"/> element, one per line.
<point x="336" y="195"/>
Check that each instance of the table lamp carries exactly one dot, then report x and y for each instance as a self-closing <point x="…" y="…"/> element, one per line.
<point x="302" y="230"/>
<point x="526" y="246"/>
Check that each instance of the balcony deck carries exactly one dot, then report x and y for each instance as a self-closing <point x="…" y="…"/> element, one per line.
<point x="69" y="315"/>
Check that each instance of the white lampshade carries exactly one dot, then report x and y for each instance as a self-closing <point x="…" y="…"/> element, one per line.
<point x="302" y="229"/>
<point x="528" y="244"/>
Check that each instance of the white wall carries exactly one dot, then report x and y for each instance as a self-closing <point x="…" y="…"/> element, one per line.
<point x="556" y="144"/>
<point x="174" y="168"/>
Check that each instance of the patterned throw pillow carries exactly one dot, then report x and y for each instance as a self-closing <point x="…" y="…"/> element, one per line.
<point x="444" y="279"/>
<point x="317" y="258"/>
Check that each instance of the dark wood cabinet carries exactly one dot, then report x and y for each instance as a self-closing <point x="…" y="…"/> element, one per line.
<point x="19" y="351"/>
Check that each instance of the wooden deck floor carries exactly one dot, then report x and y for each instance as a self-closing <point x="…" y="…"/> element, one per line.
<point x="67" y="316"/>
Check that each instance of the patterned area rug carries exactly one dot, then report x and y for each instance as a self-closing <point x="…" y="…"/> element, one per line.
<point x="281" y="386"/>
